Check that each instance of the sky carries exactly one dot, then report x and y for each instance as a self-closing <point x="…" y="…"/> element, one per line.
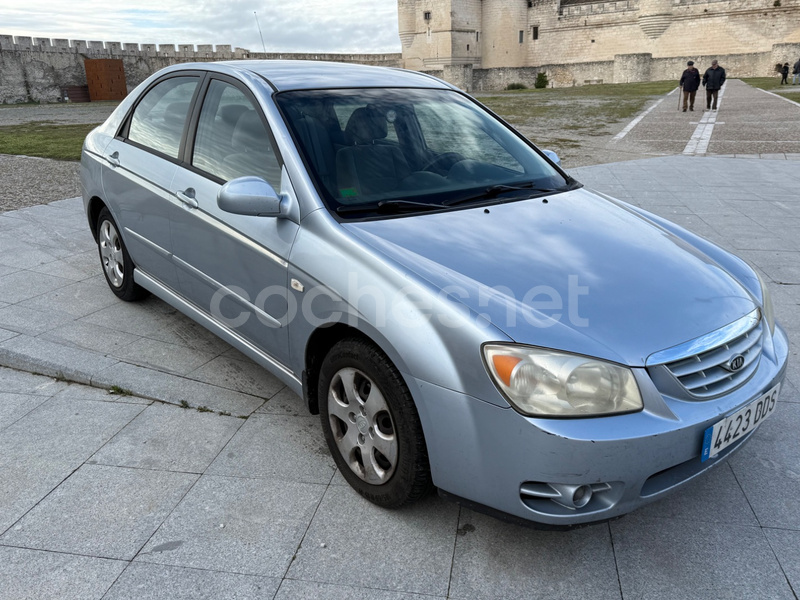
<point x="341" y="26"/>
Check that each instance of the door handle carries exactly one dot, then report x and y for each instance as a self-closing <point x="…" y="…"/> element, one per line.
<point x="113" y="159"/>
<point x="187" y="197"/>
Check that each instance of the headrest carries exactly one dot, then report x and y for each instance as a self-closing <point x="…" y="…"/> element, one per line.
<point x="230" y="113"/>
<point x="249" y="134"/>
<point x="175" y="113"/>
<point x="366" y="124"/>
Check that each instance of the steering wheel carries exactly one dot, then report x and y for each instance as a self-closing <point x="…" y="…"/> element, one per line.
<point x="441" y="163"/>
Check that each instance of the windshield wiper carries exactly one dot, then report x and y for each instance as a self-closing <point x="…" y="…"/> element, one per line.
<point x="388" y="206"/>
<point x="496" y="190"/>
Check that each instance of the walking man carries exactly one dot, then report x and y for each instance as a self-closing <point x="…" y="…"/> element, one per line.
<point x="795" y="72"/>
<point x="690" y="82"/>
<point x="713" y="79"/>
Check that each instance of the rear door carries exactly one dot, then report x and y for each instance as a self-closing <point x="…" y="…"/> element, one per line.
<point x="140" y="165"/>
<point x="233" y="267"/>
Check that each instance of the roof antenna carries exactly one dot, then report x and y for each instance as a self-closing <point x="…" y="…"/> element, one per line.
<point x="259" y="32"/>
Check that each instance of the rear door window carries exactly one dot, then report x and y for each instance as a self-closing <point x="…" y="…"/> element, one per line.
<point x="159" y="119"/>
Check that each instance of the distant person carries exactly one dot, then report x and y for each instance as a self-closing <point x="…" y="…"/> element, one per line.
<point x="713" y="79"/>
<point x="785" y="74"/>
<point x="795" y="72"/>
<point x="690" y="83"/>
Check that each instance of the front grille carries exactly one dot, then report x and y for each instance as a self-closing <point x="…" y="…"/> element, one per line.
<point x="703" y="374"/>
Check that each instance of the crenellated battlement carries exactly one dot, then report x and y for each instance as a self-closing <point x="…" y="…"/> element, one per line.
<point x="200" y="52"/>
<point x="38" y="69"/>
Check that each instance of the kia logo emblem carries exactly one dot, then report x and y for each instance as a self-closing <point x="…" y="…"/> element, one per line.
<point x="735" y="363"/>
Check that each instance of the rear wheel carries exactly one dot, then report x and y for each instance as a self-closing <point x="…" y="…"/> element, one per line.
<point x="117" y="263"/>
<point x="372" y="426"/>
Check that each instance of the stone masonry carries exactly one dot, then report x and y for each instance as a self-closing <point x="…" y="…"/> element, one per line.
<point x="486" y="44"/>
<point x="36" y="69"/>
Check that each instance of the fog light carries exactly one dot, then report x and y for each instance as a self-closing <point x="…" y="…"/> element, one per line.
<point x="582" y="496"/>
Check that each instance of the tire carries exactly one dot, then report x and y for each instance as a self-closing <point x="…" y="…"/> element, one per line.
<point x="115" y="260"/>
<point x="371" y="425"/>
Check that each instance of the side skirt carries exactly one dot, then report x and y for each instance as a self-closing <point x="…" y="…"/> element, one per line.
<point x="272" y="365"/>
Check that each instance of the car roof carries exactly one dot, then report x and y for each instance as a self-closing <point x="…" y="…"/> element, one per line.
<point x="311" y="74"/>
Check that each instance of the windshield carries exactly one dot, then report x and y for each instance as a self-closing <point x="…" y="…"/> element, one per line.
<point x="410" y="150"/>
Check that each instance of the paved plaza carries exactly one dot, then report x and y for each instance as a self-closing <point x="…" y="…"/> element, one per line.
<point x="141" y="457"/>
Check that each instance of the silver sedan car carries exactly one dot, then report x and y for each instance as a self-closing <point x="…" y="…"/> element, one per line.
<point x="460" y="312"/>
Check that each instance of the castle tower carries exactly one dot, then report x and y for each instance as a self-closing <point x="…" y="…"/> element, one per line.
<point x="436" y="34"/>
<point x="507" y="34"/>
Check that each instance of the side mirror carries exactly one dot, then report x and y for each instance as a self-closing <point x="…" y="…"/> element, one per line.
<point x="250" y="196"/>
<point x="552" y="156"/>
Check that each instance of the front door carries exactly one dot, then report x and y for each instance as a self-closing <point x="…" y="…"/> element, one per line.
<point x="233" y="267"/>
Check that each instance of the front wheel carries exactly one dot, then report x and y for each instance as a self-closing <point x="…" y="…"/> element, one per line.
<point x="116" y="262"/>
<point x="372" y="426"/>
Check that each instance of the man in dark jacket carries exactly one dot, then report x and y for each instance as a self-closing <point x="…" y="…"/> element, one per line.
<point x="690" y="82"/>
<point x="713" y="79"/>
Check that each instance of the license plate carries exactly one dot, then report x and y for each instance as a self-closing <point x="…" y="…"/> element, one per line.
<point x="725" y="432"/>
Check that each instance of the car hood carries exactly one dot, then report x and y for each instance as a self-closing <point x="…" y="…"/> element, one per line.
<point x="574" y="272"/>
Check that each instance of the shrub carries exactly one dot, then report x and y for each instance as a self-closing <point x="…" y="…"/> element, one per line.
<point x="516" y="86"/>
<point x="541" y="81"/>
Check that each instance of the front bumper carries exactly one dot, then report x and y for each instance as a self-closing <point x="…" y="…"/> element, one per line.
<point x="495" y="457"/>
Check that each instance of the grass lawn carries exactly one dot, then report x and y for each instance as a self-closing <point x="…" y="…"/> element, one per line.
<point x="585" y="110"/>
<point x="773" y="84"/>
<point x="44" y="139"/>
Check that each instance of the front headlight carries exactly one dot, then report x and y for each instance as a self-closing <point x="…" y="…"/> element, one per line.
<point x="547" y="383"/>
<point x="766" y="300"/>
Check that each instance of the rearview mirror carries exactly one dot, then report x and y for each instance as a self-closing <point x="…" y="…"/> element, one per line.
<point x="552" y="156"/>
<point x="251" y="196"/>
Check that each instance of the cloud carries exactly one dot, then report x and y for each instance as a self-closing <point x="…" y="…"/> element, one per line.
<point x="342" y="26"/>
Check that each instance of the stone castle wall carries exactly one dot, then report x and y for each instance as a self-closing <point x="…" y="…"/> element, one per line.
<point x="36" y="69"/>
<point x="577" y="41"/>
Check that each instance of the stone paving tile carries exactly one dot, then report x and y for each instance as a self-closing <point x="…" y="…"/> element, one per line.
<point x="33" y="574"/>
<point x="6" y="334"/>
<point x="32" y="321"/>
<point x="240" y="375"/>
<point x="353" y="542"/>
<point x="6" y="270"/>
<point x="285" y="402"/>
<point x="15" y="406"/>
<point x="80" y="334"/>
<point x="142" y="581"/>
<point x="77" y="299"/>
<point x="23" y="257"/>
<point x="21" y="285"/>
<point x="695" y="560"/>
<point x="41" y="356"/>
<point x="101" y="511"/>
<point x="499" y="560"/>
<point x="169" y="438"/>
<point x="22" y="382"/>
<point x="137" y="318"/>
<point x="713" y="498"/>
<point x="169" y="358"/>
<point x="78" y="267"/>
<point x="76" y="391"/>
<point x="247" y="526"/>
<point x="277" y="446"/>
<point x="770" y="473"/>
<point x="173" y="389"/>
<point x="157" y="320"/>
<point x="64" y="429"/>
<point x="39" y="450"/>
<point x="786" y="545"/>
<point x="292" y="589"/>
<point x="25" y="480"/>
